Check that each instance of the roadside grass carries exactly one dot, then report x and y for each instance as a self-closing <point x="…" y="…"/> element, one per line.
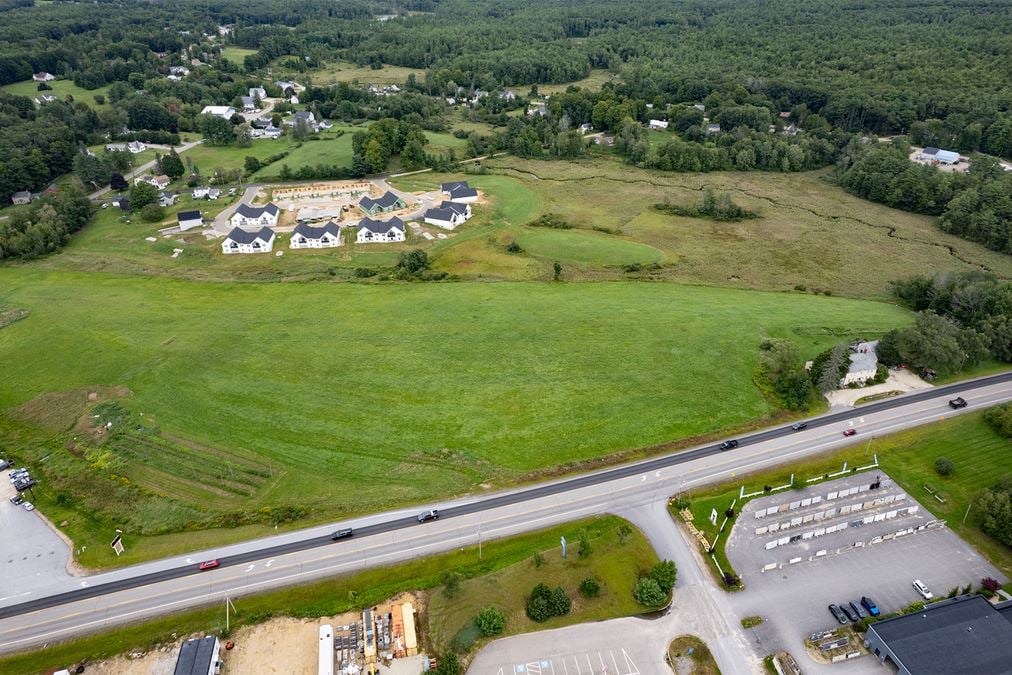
<point x="615" y="566"/>
<point x="328" y="597"/>
<point x="60" y="89"/>
<point x="586" y="247"/>
<point x="481" y="384"/>
<point x="345" y="71"/>
<point x="701" y="660"/>
<point x="236" y="54"/>
<point x="980" y="455"/>
<point x="812" y="235"/>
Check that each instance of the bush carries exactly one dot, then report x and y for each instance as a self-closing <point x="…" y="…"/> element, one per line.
<point x="152" y="213"/>
<point x="648" y="592"/>
<point x="584" y="549"/>
<point x="449" y="664"/>
<point x="944" y="467"/>
<point x="364" y="272"/>
<point x="451" y="584"/>
<point x="1000" y="417"/>
<point x="491" y="621"/>
<point x="664" y="573"/>
<point x="589" y="588"/>
<point x="544" y="603"/>
<point x="559" y="603"/>
<point x="990" y="584"/>
<point x="514" y="247"/>
<point x="537" y="559"/>
<point x="552" y="220"/>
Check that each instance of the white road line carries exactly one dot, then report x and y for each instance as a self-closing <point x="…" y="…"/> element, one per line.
<point x="613" y="661"/>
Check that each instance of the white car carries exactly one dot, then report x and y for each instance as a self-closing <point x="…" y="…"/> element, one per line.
<point x="923" y="590"/>
<point x="28" y="506"/>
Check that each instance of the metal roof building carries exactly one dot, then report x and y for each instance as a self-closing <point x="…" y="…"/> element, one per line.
<point x="198" y="657"/>
<point x="963" y="636"/>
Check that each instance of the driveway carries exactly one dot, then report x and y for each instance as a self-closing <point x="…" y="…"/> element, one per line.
<point x="900" y="379"/>
<point x="32" y="552"/>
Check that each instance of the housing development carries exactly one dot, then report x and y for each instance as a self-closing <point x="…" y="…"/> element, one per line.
<point x="506" y="337"/>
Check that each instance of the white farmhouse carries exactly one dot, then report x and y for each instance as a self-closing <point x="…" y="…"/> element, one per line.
<point x="380" y="231"/>
<point x="307" y="236"/>
<point x="459" y="191"/>
<point x="255" y="216"/>
<point x="43" y="77"/>
<point x="658" y="125"/>
<point x="258" y="92"/>
<point x="222" y="111"/>
<point x="448" y="215"/>
<point x="241" y="241"/>
<point x="863" y="364"/>
<point x="189" y="220"/>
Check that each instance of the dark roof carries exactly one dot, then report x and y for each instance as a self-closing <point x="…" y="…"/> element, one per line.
<point x="962" y="635"/>
<point x="450" y="187"/>
<point x="1005" y="609"/>
<point x="387" y="200"/>
<point x="189" y="215"/>
<point x="303" y="115"/>
<point x="459" y="209"/>
<point x="464" y="191"/>
<point x="381" y="226"/>
<point x="310" y="232"/>
<point x="195" y="656"/>
<point x="440" y="214"/>
<point x="248" y="211"/>
<point x="929" y="151"/>
<point x="241" y="236"/>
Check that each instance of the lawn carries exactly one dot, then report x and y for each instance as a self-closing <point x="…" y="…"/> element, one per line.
<point x="351" y="592"/>
<point x="586" y="247"/>
<point x="688" y="654"/>
<point x="60" y="89"/>
<point x="236" y="54"/>
<point x="477" y="384"/>
<point x="330" y="148"/>
<point x="980" y="456"/>
<point x="345" y="71"/>
<point x="210" y="157"/>
<point x="613" y="564"/>
<point x="592" y="82"/>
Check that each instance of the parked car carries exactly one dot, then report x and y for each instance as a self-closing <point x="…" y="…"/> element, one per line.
<point x="957" y="403"/>
<point x="798" y="426"/>
<point x="431" y="514"/>
<point x="4" y="463"/>
<point x="849" y="432"/>
<point x="837" y="614"/>
<point x="859" y="610"/>
<point x="729" y="444"/>
<point x="343" y="533"/>
<point x="209" y="564"/>
<point x="17" y="473"/>
<point x="851" y="615"/>
<point x="17" y="499"/>
<point x="28" y="506"/>
<point x="870" y="605"/>
<point x="24" y="483"/>
<point x="923" y="590"/>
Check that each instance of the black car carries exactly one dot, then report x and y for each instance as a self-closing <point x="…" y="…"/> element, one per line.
<point x="727" y="445"/>
<point x="431" y="514"/>
<point x="870" y="605"/>
<point x="851" y="614"/>
<point x="17" y="499"/>
<point x="343" y="533"/>
<point x="859" y="610"/>
<point x="798" y="426"/>
<point x="957" y="403"/>
<point x="837" y="614"/>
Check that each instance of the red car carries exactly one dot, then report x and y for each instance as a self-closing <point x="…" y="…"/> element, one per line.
<point x="850" y="432"/>
<point x="209" y="564"/>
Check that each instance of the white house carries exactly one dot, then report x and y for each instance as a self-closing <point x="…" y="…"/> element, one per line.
<point x="539" y="110"/>
<point x="206" y="193"/>
<point x="459" y="191"/>
<point x="258" y="92"/>
<point x="940" y="156"/>
<point x="179" y="71"/>
<point x="167" y="199"/>
<point x="376" y="231"/>
<point x="285" y="86"/>
<point x="713" y="128"/>
<point x="43" y="77"/>
<point x="160" y="182"/>
<point x="241" y="241"/>
<point x="21" y="197"/>
<point x="189" y="219"/>
<point x="136" y="147"/>
<point x="448" y="215"/>
<point x="586" y="128"/>
<point x="45" y="98"/>
<point x="658" y="125"/>
<point x="307" y="236"/>
<point x="253" y="216"/>
<point x="863" y="364"/>
<point x="306" y="116"/>
<point x="248" y="103"/>
<point x="222" y="111"/>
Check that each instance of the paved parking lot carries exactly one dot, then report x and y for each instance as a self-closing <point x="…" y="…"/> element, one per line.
<point x="793" y="596"/>
<point x="32" y="554"/>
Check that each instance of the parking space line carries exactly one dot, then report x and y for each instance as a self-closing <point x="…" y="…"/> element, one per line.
<point x="577" y="662"/>
<point x="613" y="661"/>
<point x="564" y="666"/>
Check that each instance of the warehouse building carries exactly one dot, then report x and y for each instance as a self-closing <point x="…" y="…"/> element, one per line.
<point x="199" y="657"/>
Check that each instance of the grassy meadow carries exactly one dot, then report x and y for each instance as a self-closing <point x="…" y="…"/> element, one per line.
<point x="236" y="54"/>
<point x="353" y="398"/>
<point x="345" y="71"/>
<point x="60" y="89"/>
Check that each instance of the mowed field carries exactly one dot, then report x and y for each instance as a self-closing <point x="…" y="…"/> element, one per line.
<point x="345" y="71"/>
<point x="356" y="397"/>
<point x="60" y="89"/>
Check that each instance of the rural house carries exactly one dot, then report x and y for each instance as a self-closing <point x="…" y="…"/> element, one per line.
<point x="285" y="87"/>
<point x="45" y="98"/>
<point x="206" y="193"/>
<point x="658" y="125"/>
<point x="459" y="191"/>
<point x="160" y="182"/>
<point x="179" y="71"/>
<point x="199" y="656"/>
<point x="241" y="241"/>
<point x="388" y="202"/>
<point x="713" y="128"/>
<point x="189" y="220"/>
<point x="21" y="197"/>
<point x="167" y="199"/>
<point x="253" y="216"/>
<point x="863" y="363"/>
<point x="448" y="215"/>
<point x="303" y="116"/>
<point x="377" y="231"/>
<point x="43" y="77"/>
<point x="248" y="104"/>
<point x="258" y="92"/>
<point x="940" y="156"/>
<point x="222" y="111"/>
<point x="308" y="236"/>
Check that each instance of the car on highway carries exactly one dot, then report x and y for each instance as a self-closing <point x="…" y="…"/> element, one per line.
<point x="343" y="533"/>
<point x="870" y="605"/>
<point x="17" y="499"/>
<point x="209" y="564"/>
<point x="431" y="514"/>
<point x="837" y="614"/>
<point x="798" y="426"/>
<point x="729" y="444"/>
<point x="849" y="432"/>
<point x="851" y="615"/>
<point x="28" y="506"/>
<point x="923" y="590"/>
<point x="859" y="610"/>
<point x="957" y="403"/>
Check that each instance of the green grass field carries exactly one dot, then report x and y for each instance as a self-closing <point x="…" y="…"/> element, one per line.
<point x="236" y="54"/>
<point x="60" y="89"/>
<point x="592" y="82"/>
<point x="413" y="391"/>
<point x="980" y="455"/>
<point x="345" y="71"/>
<point x="586" y="247"/>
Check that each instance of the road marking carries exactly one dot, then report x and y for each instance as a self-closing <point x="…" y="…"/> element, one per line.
<point x="269" y="562"/>
<point x="251" y="567"/>
<point x="84" y="584"/>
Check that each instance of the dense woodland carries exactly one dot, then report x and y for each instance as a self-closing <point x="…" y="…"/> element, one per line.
<point x="934" y="70"/>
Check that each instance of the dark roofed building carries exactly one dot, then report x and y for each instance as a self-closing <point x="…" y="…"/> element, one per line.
<point x="309" y="236"/>
<point x="965" y="635"/>
<point x="198" y="657"/>
<point x="387" y="202"/>
<point x="459" y="191"/>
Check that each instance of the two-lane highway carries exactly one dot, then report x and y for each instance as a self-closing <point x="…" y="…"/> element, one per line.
<point x="76" y="606"/>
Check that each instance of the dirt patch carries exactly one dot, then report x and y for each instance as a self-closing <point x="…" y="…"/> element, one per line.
<point x="62" y="410"/>
<point x="159" y="662"/>
<point x="12" y="315"/>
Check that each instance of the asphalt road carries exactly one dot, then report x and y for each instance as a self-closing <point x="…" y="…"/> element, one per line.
<point x="63" y="608"/>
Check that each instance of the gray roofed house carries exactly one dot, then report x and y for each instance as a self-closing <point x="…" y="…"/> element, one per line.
<point x="248" y="103"/>
<point x="456" y="207"/>
<point x="198" y="657"/>
<point x="371" y="231"/>
<point x="243" y="241"/>
<point x="310" y="236"/>
<point x="247" y="215"/>
<point x="388" y="201"/>
<point x="21" y="197"/>
<point x="964" y="635"/>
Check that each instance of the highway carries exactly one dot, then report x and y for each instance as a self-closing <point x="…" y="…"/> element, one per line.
<point x="61" y="609"/>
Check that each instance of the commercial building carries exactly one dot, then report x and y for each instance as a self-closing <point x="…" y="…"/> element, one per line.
<point x="199" y="657"/>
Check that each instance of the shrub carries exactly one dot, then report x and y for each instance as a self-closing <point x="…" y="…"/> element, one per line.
<point x="491" y="621"/>
<point x="648" y="592"/>
<point x="544" y="603"/>
<point x="152" y="213"/>
<point x="584" y="549"/>
<point x="552" y="220"/>
<point x="451" y="584"/>
<point x="559" y="603"/>
<point x="449" y="664"/>
<point x="664" y="573"/>
<point x="589" y="588"/>
<point x="364" y="272"/>
<point x="623" y="533"/>
<point x="944" y="467"/>
<point x="1000" y="417"/>
<point x="514" y="247"/>
<point x="537" y="559"/>
<point x="990" y="584"/>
